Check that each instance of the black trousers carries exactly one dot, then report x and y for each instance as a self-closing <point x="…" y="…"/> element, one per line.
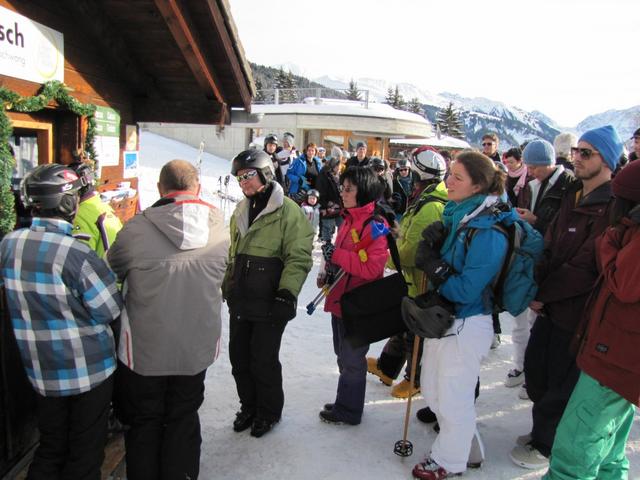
<point x="73" y="433"/>
<point x="254" y="351"/>
<point x="396" y="352"/>
<point x="163" y="440"/>
<point x="551" y="375"/>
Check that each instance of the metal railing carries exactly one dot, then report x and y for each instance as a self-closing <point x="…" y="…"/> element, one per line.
<point x="276" y="96"/>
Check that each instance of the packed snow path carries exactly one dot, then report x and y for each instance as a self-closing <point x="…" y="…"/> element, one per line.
<point x="303" y="447"/>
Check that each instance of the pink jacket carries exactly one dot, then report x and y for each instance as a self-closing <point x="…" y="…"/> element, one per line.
<point x="345" y="256"/>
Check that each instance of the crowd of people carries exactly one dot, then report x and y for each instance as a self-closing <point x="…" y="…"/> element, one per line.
<point x="98" y="308"/>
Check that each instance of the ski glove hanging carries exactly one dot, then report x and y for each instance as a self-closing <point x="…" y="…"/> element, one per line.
<point x="327" y="251"/>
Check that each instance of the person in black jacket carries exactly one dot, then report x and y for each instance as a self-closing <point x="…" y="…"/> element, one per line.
<point x="490" y="143"/>
<point x="271" y="148"/>
<point x="327" y="185"/>
<point x="360" y="159"/>
<point x="539" y="207"/>
<point x="403" y="182"/>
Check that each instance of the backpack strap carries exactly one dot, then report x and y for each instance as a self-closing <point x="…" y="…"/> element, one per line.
<point x="391" y="243"/>
<point x="428" y="199"/>
<point x="497" y="285"/>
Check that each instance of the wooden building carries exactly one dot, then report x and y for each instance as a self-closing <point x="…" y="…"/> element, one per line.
<point x="175" y="61"/>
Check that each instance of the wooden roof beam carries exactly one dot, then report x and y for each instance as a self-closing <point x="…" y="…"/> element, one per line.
<point x="228" y="46"/>
<point x="177" y="19"/>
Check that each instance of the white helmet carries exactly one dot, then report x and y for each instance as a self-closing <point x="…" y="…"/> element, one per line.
<point x="428" y="164"/>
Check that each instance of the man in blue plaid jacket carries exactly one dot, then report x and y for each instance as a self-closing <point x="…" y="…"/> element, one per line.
<point x="61" y="300"/>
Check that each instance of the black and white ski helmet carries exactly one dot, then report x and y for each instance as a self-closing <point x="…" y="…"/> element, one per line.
<point x="271" y="138"/>
<point x="402" y="163"/>
<point x="313" y="193"/>
<point x="428" y="164"/>
<point x="377" y="163"/>
<point x="256" y="159"/>
<point x="52" y="190"/>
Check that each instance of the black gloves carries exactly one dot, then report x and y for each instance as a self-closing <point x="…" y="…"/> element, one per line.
<point x="429" y="248"/>
<point x="437" y="271"/>
<point x="434" y="235"/>
<point x="284" y="306"/>
<point x="327" y="251"/>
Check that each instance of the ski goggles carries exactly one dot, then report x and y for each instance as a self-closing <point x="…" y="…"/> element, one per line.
<point x="247" y="175"/>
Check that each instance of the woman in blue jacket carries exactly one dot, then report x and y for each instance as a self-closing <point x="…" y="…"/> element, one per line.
<point x="461" y="257"/>
<point x="303" y="172"/>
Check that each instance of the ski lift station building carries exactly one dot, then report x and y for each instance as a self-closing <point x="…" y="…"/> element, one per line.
<point x="325" y="122"/>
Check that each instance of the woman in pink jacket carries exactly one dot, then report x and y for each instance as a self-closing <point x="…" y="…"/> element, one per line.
<point x="359" y="188"/>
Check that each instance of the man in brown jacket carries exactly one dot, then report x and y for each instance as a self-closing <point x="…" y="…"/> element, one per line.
<point x="565" y="276"/>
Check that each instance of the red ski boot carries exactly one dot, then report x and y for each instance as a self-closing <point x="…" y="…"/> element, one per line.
<point x="430" y="470"/>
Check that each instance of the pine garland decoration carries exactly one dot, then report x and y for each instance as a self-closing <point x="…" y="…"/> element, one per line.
<point x="10" y="100"/>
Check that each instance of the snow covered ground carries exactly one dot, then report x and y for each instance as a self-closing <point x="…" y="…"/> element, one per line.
<point x="301" y="446"/>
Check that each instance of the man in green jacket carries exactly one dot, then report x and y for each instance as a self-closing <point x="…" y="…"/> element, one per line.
<point x="269" y="259"/>
<point x="425" y="207"/>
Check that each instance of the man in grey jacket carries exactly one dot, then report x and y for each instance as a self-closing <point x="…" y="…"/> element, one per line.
<point x="171" y="259"/>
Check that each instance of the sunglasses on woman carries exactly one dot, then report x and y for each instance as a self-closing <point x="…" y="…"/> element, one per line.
<point x="342" y="188"/>
<point x="585" y="153"/>
<point x="247" y="175"/>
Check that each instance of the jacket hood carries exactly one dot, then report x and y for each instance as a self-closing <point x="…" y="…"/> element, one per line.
<point x="498" y="211"/>
<point x="276" y="199"/>
<point x="183" y="219"/>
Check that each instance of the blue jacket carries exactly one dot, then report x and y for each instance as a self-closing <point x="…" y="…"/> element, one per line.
<point x="470" y="287"/>
<point x="297" y="171"/>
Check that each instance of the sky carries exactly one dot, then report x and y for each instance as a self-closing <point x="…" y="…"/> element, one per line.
<point x="566" y="58"/>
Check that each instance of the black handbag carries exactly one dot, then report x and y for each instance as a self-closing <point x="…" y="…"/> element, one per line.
<point x="371" y="312"/>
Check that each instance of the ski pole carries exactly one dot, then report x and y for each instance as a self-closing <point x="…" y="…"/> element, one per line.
<point x="324" y="292"/>
<point x="404" y="448"/>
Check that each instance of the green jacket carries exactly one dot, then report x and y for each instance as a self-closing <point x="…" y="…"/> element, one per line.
<point x="89" y="221"/>
<point x="412" y="224"/>
<point x="273" y="253"/>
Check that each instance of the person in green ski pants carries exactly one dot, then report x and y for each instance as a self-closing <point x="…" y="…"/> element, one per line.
<point x="591" y="437"/>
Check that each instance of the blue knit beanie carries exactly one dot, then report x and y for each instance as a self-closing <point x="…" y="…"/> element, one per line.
<point x="607" y="142"/>
<point x="539" y="153"/>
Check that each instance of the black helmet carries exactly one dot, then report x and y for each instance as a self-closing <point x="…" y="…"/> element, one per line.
<point x="52" y="190"/>
<point x="377" y="163"/>
<point x="428" y="315"/>
<point x="83" y="170"/>
<point x="402" y="163"/>
<point x="313" y="193"/>
<point x="256" y="159"/>
<point x="271" y="138"/>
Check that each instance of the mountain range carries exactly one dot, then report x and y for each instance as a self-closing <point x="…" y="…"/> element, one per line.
<point x="512" y="124"/>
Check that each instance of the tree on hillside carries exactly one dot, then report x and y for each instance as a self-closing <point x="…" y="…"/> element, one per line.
<point x="414" y="106"/>
<point x="292" y="85"/>
<point x="353" y="93"/>
<point x="285" y="83"/>
<point x="449" y="123"/>
<point x="395" y="98"/>
<point x="259" y="91"/>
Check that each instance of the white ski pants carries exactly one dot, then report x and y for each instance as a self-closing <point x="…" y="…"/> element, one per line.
<point x="450" y="369"/>
<point x="520" y="336"/>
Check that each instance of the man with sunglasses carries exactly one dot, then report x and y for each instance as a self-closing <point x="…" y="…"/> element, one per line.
<point x="490" y="144"/>
<point x="269" y="259"/>
<point x="565" y="276"/>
